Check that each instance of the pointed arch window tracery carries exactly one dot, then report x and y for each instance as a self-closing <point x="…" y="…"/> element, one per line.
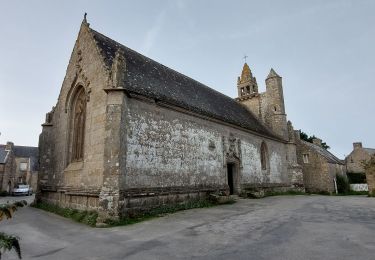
<point x="78" y="117"/>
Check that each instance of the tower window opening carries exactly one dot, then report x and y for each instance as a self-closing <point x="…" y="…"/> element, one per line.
<point x="305" y="158"/>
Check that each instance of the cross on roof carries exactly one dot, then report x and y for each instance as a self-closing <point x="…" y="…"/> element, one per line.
<point x="244" y="57"/>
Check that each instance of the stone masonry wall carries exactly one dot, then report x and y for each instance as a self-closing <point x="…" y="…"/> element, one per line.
<point x="318" y="173"/>
<point x="370" y="175"/>
<point x="8" y="172"/>
<point x="171" y="149"/>
<point x="253" y="104"/>
<point x="57" y="174"/>
<point x="354" y="160"/>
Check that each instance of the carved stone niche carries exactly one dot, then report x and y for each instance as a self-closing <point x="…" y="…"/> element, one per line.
<point x="231" y="150"/>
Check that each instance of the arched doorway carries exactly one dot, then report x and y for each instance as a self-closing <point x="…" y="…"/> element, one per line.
<point x="233" y="178"/>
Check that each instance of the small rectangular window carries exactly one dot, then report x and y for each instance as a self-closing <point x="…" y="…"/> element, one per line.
<point x="305" y="158"/>
<point x="23" y="166"/>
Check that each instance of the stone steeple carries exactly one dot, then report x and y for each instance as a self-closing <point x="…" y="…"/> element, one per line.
<point x="272" y="74"/>
<point x="275" y="115"/>
<point x="246" y="83"/>
<point x="246" y="75"/>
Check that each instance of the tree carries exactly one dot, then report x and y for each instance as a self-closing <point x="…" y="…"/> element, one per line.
<point x="309" y="139"/>
<point x="9" y="242"/>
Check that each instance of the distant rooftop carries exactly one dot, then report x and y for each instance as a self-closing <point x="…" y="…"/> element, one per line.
<point x="323" y="152"/>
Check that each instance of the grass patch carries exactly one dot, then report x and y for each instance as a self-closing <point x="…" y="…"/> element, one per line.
<point x="90" y="217"/>
<point x="347" y="193"/>
<point x="352" y="192"/>
<point x="280" y="193"/>
<point x="164" y="210"/>
<point x="82" y="216"/>
<point x="3" y="194"/>
<point x="325" y="193"/>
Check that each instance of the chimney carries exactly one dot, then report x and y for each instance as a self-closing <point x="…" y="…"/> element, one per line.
<point x="357" y="145"/>
<point x="9" y="146"/>
<point x="317" y="141"/>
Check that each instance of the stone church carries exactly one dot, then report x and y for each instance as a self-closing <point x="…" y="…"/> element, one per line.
<point x="128" y="134"/>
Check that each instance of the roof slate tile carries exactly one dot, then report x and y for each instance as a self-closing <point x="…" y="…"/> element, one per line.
<point x="149" y="78"/>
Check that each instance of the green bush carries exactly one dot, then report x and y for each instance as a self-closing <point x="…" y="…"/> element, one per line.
<point x="163" y="210"/>
<point x="354" y="177"/>
<point x="90" y="217"/>
<point x="82" y="216"/>
<point x="343" y="186"/>
<point x="280" y="193"/>
<point x="322" y="192"/>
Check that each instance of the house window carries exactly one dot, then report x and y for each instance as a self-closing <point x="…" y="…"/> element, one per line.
<point x="305" y="158"/>
<point x="263" y="156"/>
<point x="23" y="166"/>
<point x="78" y="125"/>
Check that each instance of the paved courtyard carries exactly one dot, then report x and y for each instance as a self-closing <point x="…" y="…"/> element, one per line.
<point x="282" y="227"/>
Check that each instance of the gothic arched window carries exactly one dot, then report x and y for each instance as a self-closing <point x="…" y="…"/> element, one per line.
<point x="263" y="156"/>
<point x="78" y="114"/>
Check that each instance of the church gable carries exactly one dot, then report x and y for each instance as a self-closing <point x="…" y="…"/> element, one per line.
<point x="75" y="127"/>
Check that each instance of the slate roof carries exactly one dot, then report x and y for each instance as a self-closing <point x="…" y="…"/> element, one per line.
<point x="3" y="154"/>
<point x="28" y="152"/>
<point x="371" y="151"/>
<point x="149" y="78"/>
<point x="323" y="152"/>
<point x="272" y="74"/>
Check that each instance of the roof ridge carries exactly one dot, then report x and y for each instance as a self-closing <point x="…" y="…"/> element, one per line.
<point x="165" y="66"/>
<point x="148" y="77"/>
<point x="323" y="150"/>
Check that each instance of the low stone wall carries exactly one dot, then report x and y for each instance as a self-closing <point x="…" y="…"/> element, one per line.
<point x="137" y="201"/>
<point x="359" y="187"/>
<point x="132" y="202"/>
<point x="70" y="198"/>
<point x="260" y="190"/>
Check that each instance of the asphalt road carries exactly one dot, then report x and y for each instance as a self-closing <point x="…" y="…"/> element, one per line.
<point x="283" y="227"/>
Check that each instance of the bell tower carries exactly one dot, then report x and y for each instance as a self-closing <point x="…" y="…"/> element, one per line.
<point x="275" y="115"/>
<point x="246" y="84"/>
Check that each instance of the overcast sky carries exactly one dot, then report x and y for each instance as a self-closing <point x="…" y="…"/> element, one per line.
<point x="324" y="50"/>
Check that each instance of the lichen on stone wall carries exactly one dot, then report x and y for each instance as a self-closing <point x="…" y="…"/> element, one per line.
<point x="164" y="152"/>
